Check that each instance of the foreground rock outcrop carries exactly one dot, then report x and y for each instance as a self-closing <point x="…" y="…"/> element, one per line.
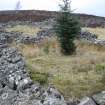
<point x="16" y="87"/>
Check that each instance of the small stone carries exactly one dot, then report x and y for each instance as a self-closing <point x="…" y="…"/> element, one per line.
<point x="24" y="84"/>
<point x="87" y="101"/>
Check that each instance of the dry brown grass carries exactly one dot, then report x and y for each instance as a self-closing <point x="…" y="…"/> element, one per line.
<point x="47" y="46"/>
<point x="30" y="30"/>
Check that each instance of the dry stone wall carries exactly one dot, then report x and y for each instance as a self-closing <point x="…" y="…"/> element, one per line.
<point x="17" y="88"/>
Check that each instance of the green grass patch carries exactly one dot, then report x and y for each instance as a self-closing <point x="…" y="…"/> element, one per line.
<point x="42" y="78"/>
<point x="100" y="68"/>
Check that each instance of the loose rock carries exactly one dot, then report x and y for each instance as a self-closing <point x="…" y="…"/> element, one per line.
<point x="87" y="101"/>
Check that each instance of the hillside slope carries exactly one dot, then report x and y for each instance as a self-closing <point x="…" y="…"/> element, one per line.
<point x="39" y="15"/>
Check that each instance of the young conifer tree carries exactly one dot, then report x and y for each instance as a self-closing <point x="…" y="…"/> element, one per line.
<point x="67" y="28"/>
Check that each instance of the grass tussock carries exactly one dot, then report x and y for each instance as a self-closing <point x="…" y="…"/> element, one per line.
<point x="39" y="77"/>
<point x="28" y="30"/>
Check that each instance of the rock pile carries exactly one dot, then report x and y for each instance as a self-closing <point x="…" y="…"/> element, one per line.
<point x="8" y="37"/>
<point x="88" y="35"/>
<point x="16" y="87"/>
<point x="91" y="38"/>
<point x="45" y="33"/>
<point x="19" y="37"/>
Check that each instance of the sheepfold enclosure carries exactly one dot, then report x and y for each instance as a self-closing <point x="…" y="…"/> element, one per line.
<point x="74" y="76"/>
